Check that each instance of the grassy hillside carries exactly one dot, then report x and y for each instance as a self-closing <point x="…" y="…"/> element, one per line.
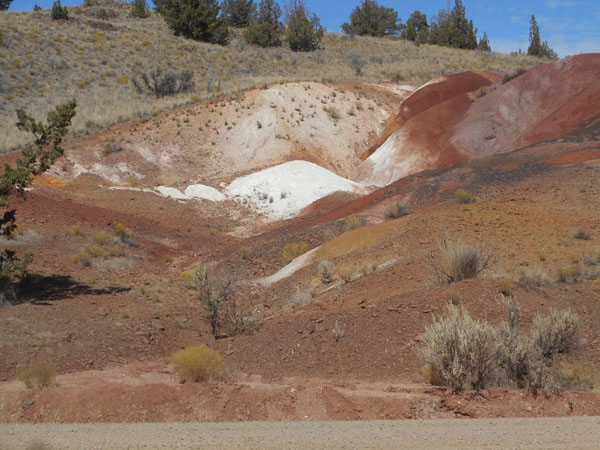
<point x="94" y="55"/>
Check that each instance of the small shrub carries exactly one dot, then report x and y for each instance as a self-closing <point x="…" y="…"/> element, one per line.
<point x="433" y="375"/>
<point x="162" y="84"/>
<point x="326" y="271"/>
<point x="139" y="9"/>
<point x="452" y="296"/>
<point x="461" y="349"/>
<point x="338" y="331"/>
<point x="533" y="279"/>
<point x="506" y="287"/>
<point x="37" y="375"/>
<point x="464" y="197"/>
<point x="556" y="332"/>
<point x="596" y="285"/>
<point x="219" y="295"/>
<point x="122" y="233"/>
<point x="198" y="364"/>
<point x="462" y="261"/>
<point x="577" y="377"/>
<point x="332" y="112"/>
<point x="511" y="76"/>
<point x="59" y="12"/>
<point x="352" y="223"/>
<point x="568" y="274"/>
<point x="292" y="251"/>
<point x="396" y="209"/>
<point x="74" y="230"/>
<point x="582" y="233"/>
<point x="244" y="253"/>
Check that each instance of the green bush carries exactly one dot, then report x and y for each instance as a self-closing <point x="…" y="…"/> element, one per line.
<point x="238" y="13"/>
<point x="370" y="19"/>
<point x="265" y="30"/>
<point x="59" y="12"/>
<point x="195" y="19"/>
<point x="302" y="34"/>
<point x="139" y="9"/>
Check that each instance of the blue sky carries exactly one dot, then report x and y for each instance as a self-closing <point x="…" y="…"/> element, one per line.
<point x="569" y="26"/>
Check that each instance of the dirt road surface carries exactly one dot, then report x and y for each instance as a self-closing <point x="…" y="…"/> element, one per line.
<point x="554" y="433"/>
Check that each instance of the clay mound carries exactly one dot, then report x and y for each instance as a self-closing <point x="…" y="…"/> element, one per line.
<point x="549" y="102"/>
<point x="215" y="141"/>
<point x="418" y="138"/>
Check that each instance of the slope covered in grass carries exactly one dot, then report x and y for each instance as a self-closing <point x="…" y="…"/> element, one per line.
<point x="94" y="55"/>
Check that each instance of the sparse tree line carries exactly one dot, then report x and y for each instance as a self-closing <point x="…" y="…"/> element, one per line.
<point x="209" y="21"/>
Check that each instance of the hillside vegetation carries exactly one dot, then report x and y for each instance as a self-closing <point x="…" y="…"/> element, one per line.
<point x="94" y="55"/>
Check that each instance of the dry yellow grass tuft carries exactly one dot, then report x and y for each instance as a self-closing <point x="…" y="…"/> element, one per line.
<point x="198" y="363"/>
<point x="94" y="55"/>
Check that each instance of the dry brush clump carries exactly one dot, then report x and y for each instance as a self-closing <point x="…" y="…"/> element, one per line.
<point x="220" y="295"/>
<point x="396" y="209"/>
<point x="463" y="353"/>
<point x="37" y="375"/>
<point x="198" y="364"/>
<point x="461" y="260"/>
<point x="326" y="271"/>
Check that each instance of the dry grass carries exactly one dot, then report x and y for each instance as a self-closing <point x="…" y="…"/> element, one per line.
<point x="292" y="251"/>
<point x="198" y="364"/>
<point x="36" y="375"/>
<point x="45" y="62"/>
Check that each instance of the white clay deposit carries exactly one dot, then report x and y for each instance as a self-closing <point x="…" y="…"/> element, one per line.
<point x="282" y="191"/>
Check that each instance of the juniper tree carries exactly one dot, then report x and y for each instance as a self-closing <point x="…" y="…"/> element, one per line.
<point x="35" y="159"/>
<point x="4" y="4"/>
<point x="536" y="47"/>
<point x="484" y="43"/>
<point x="303" y="34"/>
<point x="238" y="13"/>
<point x="416" y="28"/>
<point x="195" y="19"/>
<point x="139" y="9"/>
<point x="370" y="19"/>
<point x="265" y="29"/>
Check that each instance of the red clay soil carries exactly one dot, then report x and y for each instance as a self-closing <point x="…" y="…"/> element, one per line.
<point x="548" y="102"/>
<point x="422" y="129"/>
<point x="437" y="91"/>
<point x="347" y="350"/>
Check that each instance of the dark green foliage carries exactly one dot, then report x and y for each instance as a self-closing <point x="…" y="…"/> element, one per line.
<point x="265" y="29"/>
<point x="36" y="159"/>
<point x="59" y="12"/>
<point x="161" y="83"/>
<point x="139" y="9"/>
<point x="238" y="13"/>
<point x="4" y="4"/>
<point x="370" y="19"/>
<point x="37" y="7"/>
<point x="416" y="28"/>
<point x="302" y="34"/>
<point x="195" y="19"/>
<point x="452" y="29"/>
<point x="536" y="46"/>
<point x="484" y="44"/>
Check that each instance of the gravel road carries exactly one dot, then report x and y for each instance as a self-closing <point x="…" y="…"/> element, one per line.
<point x="552" y="433"/>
